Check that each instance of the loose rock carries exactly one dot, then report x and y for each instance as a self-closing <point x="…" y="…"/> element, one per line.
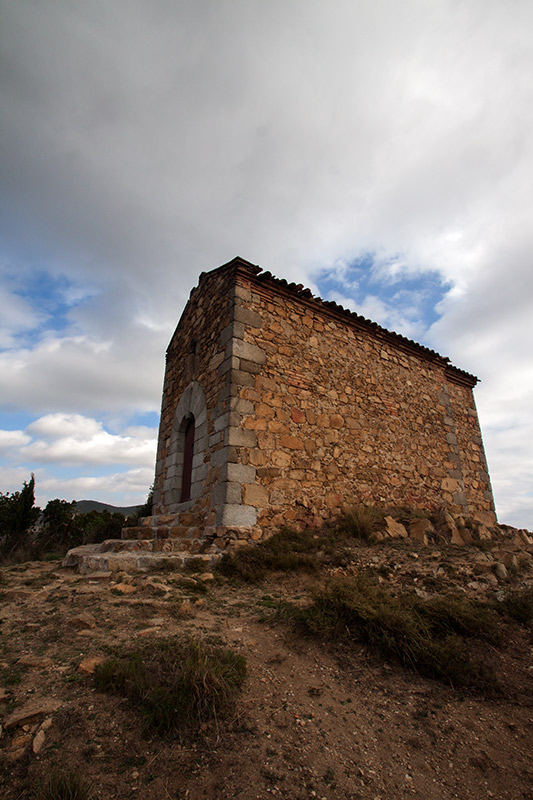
<point x="31" y="711"/>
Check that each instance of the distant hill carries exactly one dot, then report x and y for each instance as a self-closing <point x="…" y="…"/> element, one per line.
<point x="84" y="506"/>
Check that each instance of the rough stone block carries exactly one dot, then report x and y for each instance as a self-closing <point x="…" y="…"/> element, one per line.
<point x="197" y="460"/>
<point x="395" y="529"/>
<point x="227" y="492"/>
<point x="243" y="293"/>
<point x="250" y="366"/>
<point x="291" y="443"/>
<point x="242" y="349"/>
<point x="232" y="362"/>
<point x="221" y="422"/>
<point x="241" y="473"/>
<point x="420" y="529"/>
<point x="255" y="495"/>
<point x="280" y="458"/>
<point x="297" y="415"/>
<point x="248" y="317"/>
<point x="239" y="377"/>
<point x="237" y="516"/>
<point x="238" y="437"/>
<point x="334" y="500"/>
<point x="241" y="406"/>
<point x="449" y="485"/>
<point x="459" y="498"/>
<point x="224" y="455"/>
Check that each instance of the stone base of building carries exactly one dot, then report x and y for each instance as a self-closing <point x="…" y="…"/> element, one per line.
<point x="169" y="533"/>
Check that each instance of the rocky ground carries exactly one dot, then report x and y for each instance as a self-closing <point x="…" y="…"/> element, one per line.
<point x="313" y="721"/>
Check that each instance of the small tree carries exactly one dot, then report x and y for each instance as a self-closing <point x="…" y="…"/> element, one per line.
<point x="146" y="509"/>
<point x="57" y="529"/>
<point x="17" y="515"/>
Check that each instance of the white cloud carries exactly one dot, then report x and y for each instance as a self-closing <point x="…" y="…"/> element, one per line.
<point x="59" y="426"/>
<point x="396" y="316"/>
<point x="120" y="488"/>
<point x="147" y="142"/>
<point x="17" y="317"/>
<point x="12" y="439"/>
<point x="74" y="439"/>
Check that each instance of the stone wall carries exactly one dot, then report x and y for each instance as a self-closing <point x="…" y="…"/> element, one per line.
<point x="302" y="410"/>
<point x="341" y="412"/>
<point x="197" y="383"/>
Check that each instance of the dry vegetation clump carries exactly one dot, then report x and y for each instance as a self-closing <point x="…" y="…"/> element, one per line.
<point x="425" y="636"/>
<point x="435" y="636"/>
<point x="286" y="551"/>
<point x="60" y="785"/>
<point x="179" y="686"/>
<point x="361" y="522"/>
<point x="308" y="551"/>
<point x="517" y="604"/>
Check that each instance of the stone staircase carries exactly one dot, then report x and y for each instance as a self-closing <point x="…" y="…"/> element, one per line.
<point x="137" y="553"/>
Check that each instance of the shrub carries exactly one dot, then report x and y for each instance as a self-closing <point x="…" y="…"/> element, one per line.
<point x="361" y="522"/>
<point x="518" y="605"/>
<point x="177" y="685"/>
<point x="17" y="515"/>
<point x="426" y="638"/>
<point x="455" y="614"/>
<point x="286" y="551"/>
<point x="291" y="551"/>
<point x="59" y="785"/>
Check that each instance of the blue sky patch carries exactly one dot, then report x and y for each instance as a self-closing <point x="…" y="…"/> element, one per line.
<point x="403" y="293"/>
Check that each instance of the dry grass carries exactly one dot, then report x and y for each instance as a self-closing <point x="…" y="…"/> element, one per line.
<point x="429" y="637"/>
<point x="60" y="785"/>
<point x="178" y="685"/>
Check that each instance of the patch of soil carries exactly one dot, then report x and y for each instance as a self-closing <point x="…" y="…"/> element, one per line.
<point x="313" y="721"/>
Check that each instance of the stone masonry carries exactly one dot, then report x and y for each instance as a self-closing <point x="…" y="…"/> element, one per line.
<point x="302" y="409"/>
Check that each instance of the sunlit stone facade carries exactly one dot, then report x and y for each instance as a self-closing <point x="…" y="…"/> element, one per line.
<point x="302" y="409"/>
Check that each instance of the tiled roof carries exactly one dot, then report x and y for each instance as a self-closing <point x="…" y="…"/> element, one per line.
<point x="299" y="291"/>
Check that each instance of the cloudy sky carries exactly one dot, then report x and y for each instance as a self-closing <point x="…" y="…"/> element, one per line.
<point x="380" y="152"/>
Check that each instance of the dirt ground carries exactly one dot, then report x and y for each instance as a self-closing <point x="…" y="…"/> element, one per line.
<point x="313" y="721"/>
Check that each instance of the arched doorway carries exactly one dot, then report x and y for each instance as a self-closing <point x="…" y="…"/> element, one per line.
<point x="188" y="454"/>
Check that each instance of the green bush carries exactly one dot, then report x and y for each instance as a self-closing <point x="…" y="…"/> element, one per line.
<point x="455" y="614"/>
<point x="17" y="515"/>
<point x="178" y="685"/>
<point x="290" y="551"/>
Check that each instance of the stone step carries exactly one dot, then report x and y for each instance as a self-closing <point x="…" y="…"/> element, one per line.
<point x="119" y="555"/>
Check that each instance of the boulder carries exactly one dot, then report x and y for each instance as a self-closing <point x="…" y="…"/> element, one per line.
<point x="500" y="570"/>
<point x="447" y="527"/>
<point x="124" y="588"/>
<point x="420" y="529"/>
<point x="83" y="621"/>
<point x="395" y="529"/>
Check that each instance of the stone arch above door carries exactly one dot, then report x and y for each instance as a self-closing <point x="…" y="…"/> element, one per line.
<point x="191" y="405"/>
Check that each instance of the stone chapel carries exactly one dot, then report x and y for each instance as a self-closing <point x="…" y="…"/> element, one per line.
<point x="280" y="408"/>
